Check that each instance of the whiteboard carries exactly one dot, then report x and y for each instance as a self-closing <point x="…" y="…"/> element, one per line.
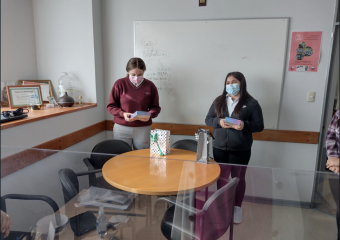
<point x="188" y="62"/>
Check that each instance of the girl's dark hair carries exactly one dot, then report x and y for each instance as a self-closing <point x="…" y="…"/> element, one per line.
<point x="221" y="102"/>
<point x="135" y="63"/>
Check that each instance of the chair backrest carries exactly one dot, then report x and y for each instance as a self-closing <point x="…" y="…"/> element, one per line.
<point x="46" y="199"/>
<point x="104" y="150"/>
<point x="219" y="210"/>
<point x="19" y="235"/>
<point x="186" y="144"/>
<point x="69" y="182"/>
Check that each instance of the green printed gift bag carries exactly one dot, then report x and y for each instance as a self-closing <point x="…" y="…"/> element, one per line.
<point x="160" y="142"/>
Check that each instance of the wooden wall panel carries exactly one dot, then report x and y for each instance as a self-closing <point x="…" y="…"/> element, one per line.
<point x="180" y="129"/>
<point x="27" y="157"/>
<point x="109" y="125"/>
<point x="265" y="135"/>
<point x="287" y="136"/>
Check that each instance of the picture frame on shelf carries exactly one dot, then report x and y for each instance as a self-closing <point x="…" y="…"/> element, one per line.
<point x="46" y="87"/>
<point x="21" y="96"/>
<point x="4" y="95"/>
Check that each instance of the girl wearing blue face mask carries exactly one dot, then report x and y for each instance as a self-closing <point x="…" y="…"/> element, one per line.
<point x="232" y="143"/>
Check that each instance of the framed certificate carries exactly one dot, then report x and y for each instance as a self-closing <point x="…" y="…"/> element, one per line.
<point x="45" y="86"/>
<point x="23" y="96"/>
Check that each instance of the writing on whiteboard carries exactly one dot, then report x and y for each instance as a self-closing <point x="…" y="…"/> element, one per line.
<point x="154" y="54"/>
<point x="162" y="79"/>
<point x="156" y="72"/>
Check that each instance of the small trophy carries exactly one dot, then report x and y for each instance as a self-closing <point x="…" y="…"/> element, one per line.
<point x="203" y="137"/>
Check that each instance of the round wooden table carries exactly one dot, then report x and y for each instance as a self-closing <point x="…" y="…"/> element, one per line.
<point x="138" y="172"/>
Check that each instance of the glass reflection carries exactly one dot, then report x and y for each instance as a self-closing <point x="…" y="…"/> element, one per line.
<point x="158" y="167"/>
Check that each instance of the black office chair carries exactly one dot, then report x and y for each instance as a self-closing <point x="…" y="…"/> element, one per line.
<point x="16" y="235"/>
<point x="70" y="185"/>
<point x="186" y="144"/>
<point x="69" y="182"/>
<point x="101" y="153"/>
<point x="212" y="218"/>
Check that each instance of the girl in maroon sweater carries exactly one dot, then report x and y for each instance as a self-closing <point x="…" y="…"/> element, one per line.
<point x="130" y="94"/>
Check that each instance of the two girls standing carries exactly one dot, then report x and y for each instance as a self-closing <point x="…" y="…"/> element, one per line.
<point x="232" y="143"/>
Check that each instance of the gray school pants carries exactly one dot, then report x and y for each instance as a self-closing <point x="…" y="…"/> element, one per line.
<point x="138" y="137"/>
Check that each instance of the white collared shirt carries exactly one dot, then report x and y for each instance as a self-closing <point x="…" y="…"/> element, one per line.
<point x="231" y="104"/>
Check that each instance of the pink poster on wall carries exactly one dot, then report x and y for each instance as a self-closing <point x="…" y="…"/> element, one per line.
<point x="305" y="51"/>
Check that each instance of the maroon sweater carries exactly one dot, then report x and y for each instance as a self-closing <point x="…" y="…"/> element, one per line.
<point x="125" y="97"/>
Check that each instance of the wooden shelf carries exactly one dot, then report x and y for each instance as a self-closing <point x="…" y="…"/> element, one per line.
<point x="44" y="113"/>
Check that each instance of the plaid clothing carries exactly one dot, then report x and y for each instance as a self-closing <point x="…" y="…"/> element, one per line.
<point x="332" y="139"/>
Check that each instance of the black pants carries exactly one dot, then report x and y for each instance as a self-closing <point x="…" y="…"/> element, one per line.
<point x="233" y="157"/>
<point x="334" y="185"/>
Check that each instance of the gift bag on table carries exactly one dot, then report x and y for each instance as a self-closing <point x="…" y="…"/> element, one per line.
<point x="159" y="142"/>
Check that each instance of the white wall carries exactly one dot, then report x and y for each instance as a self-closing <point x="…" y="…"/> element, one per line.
<point x="35" y="133"/>
<point x="286" y="159"/>
<point x="18" y="51"/>
<point x="41" y="178"/>
<point x="295" y="113"/>
<point x="66" y="38"/>
<point x="65" y="42"/>
<point x="98" y="55"/>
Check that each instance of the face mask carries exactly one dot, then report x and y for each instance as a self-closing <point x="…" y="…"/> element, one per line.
<point x="233" y="89"/>
<point x="136" y="79"/>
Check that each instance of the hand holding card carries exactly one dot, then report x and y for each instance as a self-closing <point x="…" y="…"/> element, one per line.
<point x="141" y="116"/>
<point x="232" y="121"/>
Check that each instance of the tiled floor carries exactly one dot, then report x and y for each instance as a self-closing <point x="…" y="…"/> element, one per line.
<point x="326" y="202"/>
<point x="260" y="222"/>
